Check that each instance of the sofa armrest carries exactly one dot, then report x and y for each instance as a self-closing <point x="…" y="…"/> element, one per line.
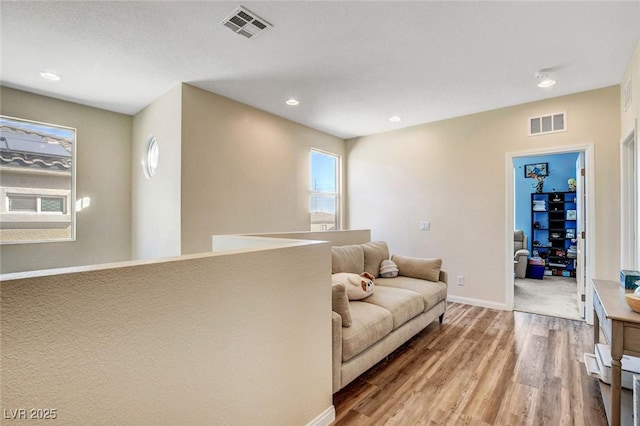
<point x="340" y="303"/>
<point x="520" y="266"/>
<point x="336" y="348"/>
<point x="444" y="277"/>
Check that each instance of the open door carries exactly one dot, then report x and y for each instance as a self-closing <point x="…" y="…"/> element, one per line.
<point x="580" y="233"/>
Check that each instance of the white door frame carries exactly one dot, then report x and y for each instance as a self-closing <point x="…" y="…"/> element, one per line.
<point x="580" y="260"/>
<point x="629" y="220"/>
<point x="590" y="270"/>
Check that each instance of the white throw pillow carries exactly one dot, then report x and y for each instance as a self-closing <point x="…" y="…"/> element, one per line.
<point x="358" y="286"/>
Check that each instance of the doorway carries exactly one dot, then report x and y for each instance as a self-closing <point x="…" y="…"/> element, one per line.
<point x="565" y="281"/>
<point x="545" y="213"/>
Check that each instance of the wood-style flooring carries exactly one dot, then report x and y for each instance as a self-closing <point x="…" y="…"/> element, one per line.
<point x="481" y="367"/>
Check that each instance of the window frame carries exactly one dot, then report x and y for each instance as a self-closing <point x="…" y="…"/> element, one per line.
<point x="338" y="181"/>
<point x="39" y="223"/>
<point x="38" y="199"/>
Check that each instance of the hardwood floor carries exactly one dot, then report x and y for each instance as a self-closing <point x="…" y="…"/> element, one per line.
<point x="481" y="367"/>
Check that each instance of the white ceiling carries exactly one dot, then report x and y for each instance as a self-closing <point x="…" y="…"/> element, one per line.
<point x="352" y="64"/>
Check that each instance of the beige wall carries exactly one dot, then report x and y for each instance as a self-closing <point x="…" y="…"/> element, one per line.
<point x="103" y="231"/>
<point x="452" y="173"/>
<point x="224" y="338"/>
<point x="156" y="211"/>
<point x="224" y="168"/>
<point x="630" y="119"/>
<point x="632" y="113"/>
<point x="243" y="170"/>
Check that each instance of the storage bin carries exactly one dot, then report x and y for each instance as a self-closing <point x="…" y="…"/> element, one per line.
<point x="628" y="278"/>
<point x="535" y="271"/>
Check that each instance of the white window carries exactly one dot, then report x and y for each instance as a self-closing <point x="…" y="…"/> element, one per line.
<point x="37" y="181"/>
<point x="35" y="203"/>
<point x="325" y="201"/>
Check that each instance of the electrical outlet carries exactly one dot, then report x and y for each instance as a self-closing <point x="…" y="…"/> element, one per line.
<point x="425" y="225"/>
<point x="460" y="280"/>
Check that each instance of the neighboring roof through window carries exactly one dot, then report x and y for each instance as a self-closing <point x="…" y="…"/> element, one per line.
<point x="31" y="144"/>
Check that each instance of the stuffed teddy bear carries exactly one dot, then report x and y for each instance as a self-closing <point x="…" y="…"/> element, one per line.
<point x="357" y="286"/>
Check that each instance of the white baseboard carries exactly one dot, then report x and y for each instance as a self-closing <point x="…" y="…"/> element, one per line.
<point x="325" y="418"/>
<point x="477" y="302"/>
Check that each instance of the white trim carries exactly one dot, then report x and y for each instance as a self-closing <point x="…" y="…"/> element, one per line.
<point x="628" y="93"/>
<point x="590" y="269"/>
<point x="509" y="223"/>
<point x="339" y="186"/>
<point x="629" y="254"/>
<point x="325" y="418"/>
<point x="478" y="302"/>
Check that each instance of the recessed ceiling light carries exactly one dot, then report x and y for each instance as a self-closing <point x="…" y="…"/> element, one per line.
<point x="293" y="102"/>
<point x="547" y="82"/>
<point x="544" y="79"/>
<point x="395" y="118"/>
<point x="49" y="76"/>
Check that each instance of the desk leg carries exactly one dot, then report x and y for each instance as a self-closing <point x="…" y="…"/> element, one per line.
<point x="616" y="389"/>
<point x="617" y="348"/>
<point x="596" y="328"/>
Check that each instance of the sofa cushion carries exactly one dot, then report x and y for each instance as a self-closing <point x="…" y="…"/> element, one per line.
<point x="432" y="292"/>
<point x="347" y="259"/>
<point x="426" y="269"/>
<point x="340" y="303"/>
<point x="369" y="323"/>
<point x="374" y="253"/>
<point x="403" y="304"/>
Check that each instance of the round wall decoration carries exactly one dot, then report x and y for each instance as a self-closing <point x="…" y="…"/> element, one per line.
<point x="152" y="156"/>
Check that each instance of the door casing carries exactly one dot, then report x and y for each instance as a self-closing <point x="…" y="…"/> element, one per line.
<point x="590" y="270"/>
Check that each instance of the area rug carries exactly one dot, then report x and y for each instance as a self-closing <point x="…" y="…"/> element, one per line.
<point x="552" y="296"/>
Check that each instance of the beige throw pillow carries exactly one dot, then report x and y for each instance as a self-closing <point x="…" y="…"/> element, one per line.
<point x="340" y="303"/>
<point x="414" y="267"/>
<point x="374" y="253"/>
<point x="347" y="259"/>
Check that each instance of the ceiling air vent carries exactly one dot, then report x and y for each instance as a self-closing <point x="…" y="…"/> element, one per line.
<point x="246" y="23"/>
<point x="550" y="123"/>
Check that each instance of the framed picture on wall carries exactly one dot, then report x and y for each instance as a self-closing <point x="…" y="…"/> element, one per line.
<point x="535" y="170"/>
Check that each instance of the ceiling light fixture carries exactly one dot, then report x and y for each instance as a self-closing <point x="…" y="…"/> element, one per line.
<point x="395" y="118"/>
<point x="544" y="79"/>
<point x="292" y="102"/>
<point x="49" y="76"/>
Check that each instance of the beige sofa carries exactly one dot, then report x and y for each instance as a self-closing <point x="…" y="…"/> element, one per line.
<point x="367" y="330"/>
